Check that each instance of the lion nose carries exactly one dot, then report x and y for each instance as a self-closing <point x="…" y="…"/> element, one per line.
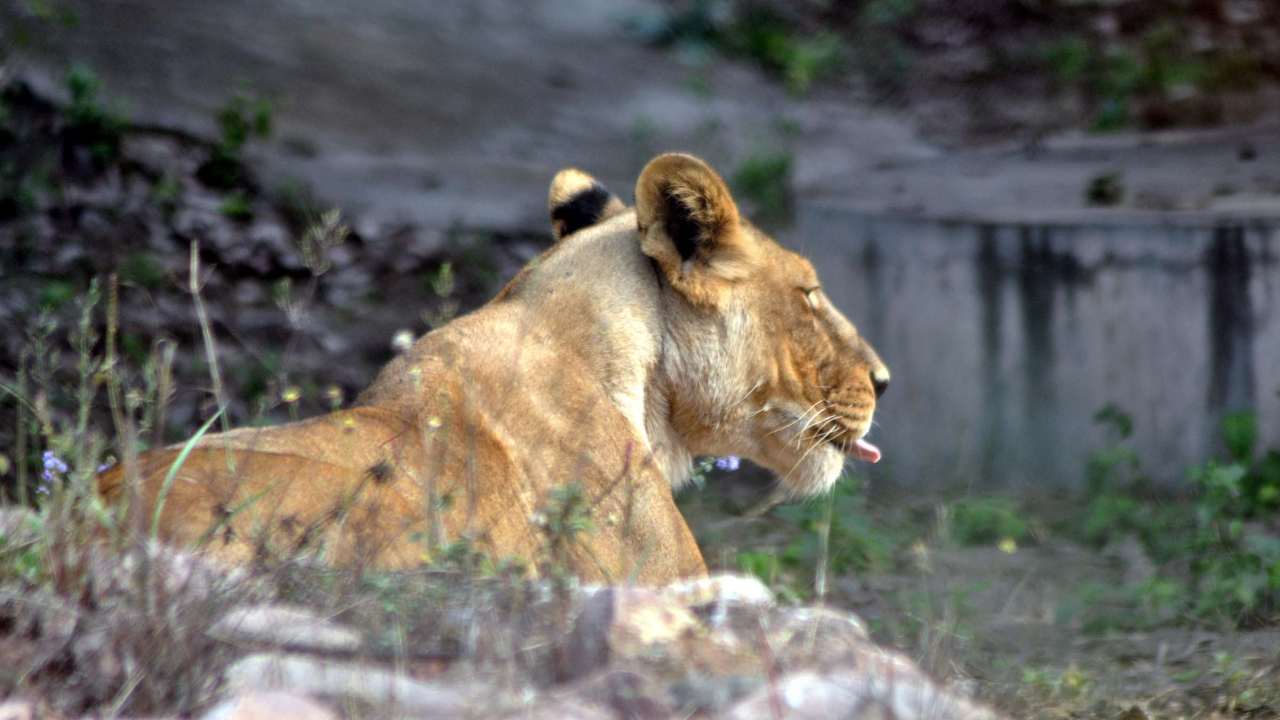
<point x="880" y="381"/>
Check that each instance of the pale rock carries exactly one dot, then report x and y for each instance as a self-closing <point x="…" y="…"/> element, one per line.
<point x="881" y="688"/>
<point x="17" y="708"/>
<point x="652" y="630"/>
<point x="353" y="681"/>
<point x="629" y="694"/>
<point x="816" y="637"/>
<point x="157" y="155"/>
<point x="269" y="706"/>
<point x="557" y="709"/>
<point x="622" y="623"/>
<point x="284" y="627"/>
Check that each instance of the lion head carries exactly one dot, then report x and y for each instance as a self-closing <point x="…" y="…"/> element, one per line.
<point x="756" y="360"/>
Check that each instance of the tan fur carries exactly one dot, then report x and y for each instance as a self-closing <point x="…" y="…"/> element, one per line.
<point x="610" y="362"/>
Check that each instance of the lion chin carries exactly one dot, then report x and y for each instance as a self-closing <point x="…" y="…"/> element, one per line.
<point x="643" y="337"/>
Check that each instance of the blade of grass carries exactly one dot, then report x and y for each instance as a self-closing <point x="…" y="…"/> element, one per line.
<point x="824" y="550"/>
<point x="173" y="471"/>
<point x="20" y="457"/>
<point x="228" y="517"/>
<point x="206" y="332"/>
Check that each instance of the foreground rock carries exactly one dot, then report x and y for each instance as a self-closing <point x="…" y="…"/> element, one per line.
<point x="889" y="688"/>
<point x="269" y="706"/>
<point x="715" y="648"/>
<point x="718" y="647"/>
<point x="723" y="646"/>
<point x="368" y="684"/>
<point x="284" y="627"/>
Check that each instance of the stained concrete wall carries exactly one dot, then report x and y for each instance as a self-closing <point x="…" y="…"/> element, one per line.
<point x="1005" y="340"/>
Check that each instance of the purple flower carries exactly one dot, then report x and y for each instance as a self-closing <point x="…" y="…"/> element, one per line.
<point x="53" y="467"/>
<point x="729" y="462"/>
<point x="52" y="463"/>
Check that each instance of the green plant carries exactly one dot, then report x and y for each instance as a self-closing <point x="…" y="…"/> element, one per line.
<point x="984" y="520"/>
<point x="854" y="541"/>
<point x="167" y="192"/>
<point x="1217" y="532"/>
<point x="884" y="56"/>
<point x="1052" y="682"/>
<point x="442" y="286"/>
<point x="237" y="206"/>
<point x="139" y="269"/>
<point x="799" y="60"/>
<point x="1105" y="189"/>
<point x="1069" y="58"/>
<point x="765" y="180"/>
<point x="243" y="117"/>
<point x="16" y="196"/>
<point x="563" y="520"/>
<point x="87" y="123"/>
<point x="758" y="35"/>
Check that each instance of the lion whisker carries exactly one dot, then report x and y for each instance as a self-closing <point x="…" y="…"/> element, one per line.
<point x="798" y="418"/>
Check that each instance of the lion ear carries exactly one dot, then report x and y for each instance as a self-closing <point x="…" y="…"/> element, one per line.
<point x="578" y="200"/>
<point x="689" y="225"/>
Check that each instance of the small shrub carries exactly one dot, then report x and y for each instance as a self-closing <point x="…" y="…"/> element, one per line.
<point x="983" y="521"/>
<point x="799" y="60"/>
<point x="1105" y="190"/>
<point x="237" y="206"/>
<point x="765" y="180"/>
<point x="16" y="196"/>
<point x="167" y="193"/>
<point x="89" y="124"/>
<point x="854" y="542"/>
<point x="884" y="56"/>
<point x="1217" y="531"/>
<point x="757" y="35"/>
<point x="139" y="269"/>
<point x="243" y="117"/>
<point x="1069" y="58"/>
<point x="565" y="518"/>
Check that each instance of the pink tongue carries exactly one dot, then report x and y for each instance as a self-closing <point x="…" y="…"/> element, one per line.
<point x="864" y="450"/>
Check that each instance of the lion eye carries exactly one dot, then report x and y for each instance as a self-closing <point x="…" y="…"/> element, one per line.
<point x="814" y="298"/>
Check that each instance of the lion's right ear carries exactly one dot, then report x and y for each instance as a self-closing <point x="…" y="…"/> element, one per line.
<point x="578" y="200"/>
<point x="690" y="226"/>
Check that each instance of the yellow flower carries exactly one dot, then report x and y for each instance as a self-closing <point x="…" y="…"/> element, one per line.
<point x="1008" y="545"/>
<point x="292" y="394"/>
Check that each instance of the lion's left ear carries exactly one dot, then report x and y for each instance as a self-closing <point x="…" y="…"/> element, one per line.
<point x="689" y="225"/>
<point x="577" y="200"/>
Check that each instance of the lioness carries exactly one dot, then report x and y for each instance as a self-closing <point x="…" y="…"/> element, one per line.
<point x="642" y="338"/>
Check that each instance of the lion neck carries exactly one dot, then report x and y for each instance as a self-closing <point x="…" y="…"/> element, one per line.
<point x="639" y="343"/>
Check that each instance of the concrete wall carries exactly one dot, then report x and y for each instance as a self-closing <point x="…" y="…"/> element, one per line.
<point x="1005" y="340"/>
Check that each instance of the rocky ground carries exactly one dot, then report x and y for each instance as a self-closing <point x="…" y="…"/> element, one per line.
<point x="155" y="633"/>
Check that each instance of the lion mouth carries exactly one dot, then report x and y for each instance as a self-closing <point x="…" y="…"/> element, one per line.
<point x="855" y="447"/>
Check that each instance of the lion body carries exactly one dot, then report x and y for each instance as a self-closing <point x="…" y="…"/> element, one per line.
<point x="602" y="365"/>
